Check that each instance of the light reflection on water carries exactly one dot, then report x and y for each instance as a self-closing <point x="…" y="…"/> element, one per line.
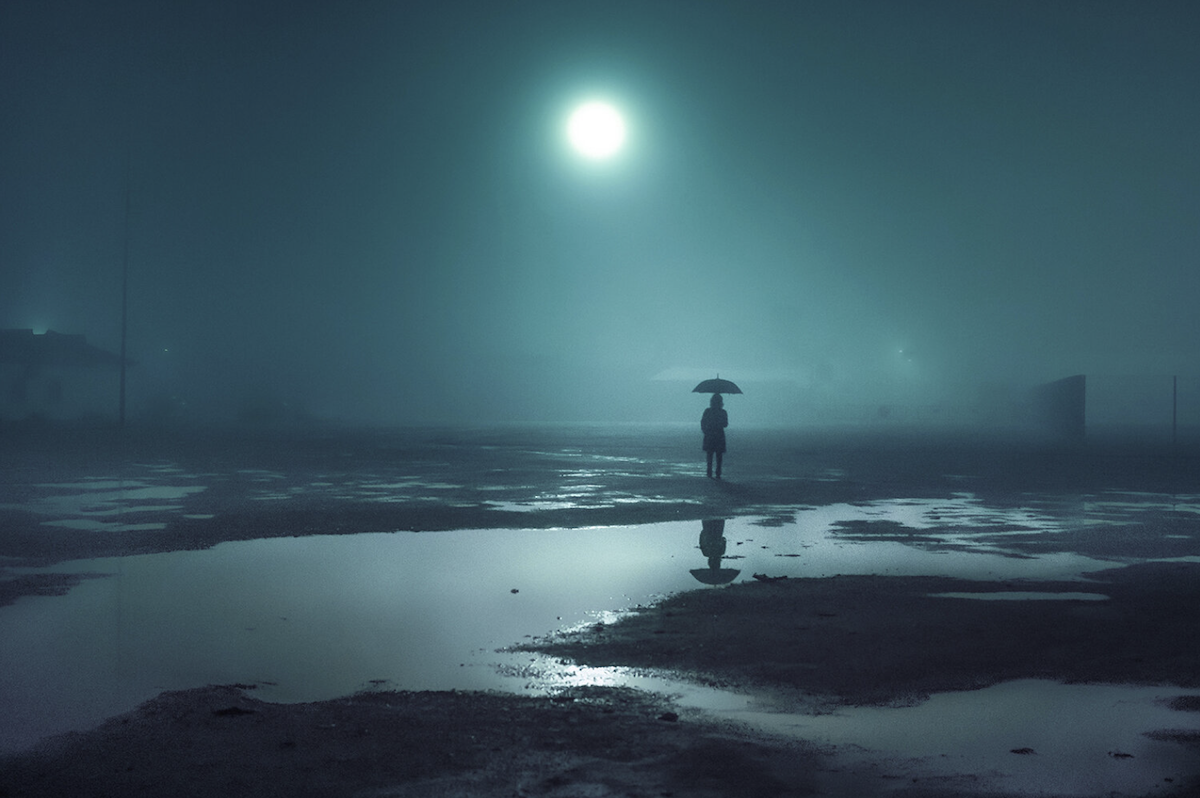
<point x="107" y="505"/>
<point x="1024" y="595"/>
<point x="1072" y="739"/>
<point x="1030" y="736"/>
<point x="318" y="617"/>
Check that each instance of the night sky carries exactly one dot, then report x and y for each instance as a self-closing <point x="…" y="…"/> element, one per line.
<point x="369" y="209"/>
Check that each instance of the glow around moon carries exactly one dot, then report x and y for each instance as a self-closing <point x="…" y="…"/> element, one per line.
<point x="596" y="130"/>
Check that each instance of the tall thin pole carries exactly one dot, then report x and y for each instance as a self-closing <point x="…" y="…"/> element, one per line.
<point x="124" y="302"/>
<point x="1174" y="408"/>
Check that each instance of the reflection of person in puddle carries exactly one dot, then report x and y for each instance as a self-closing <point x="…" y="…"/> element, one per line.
<point x="712" y="546"/>
<point x="713" y="424"/>
<point x="712" y="540"/>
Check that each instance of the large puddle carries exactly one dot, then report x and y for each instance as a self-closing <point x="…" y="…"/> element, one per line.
<point x="318" y="617"/>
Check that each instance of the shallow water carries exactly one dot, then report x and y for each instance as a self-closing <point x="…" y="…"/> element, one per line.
<point x="318" y="617"/>
<point x="1029" y="736"/>
<point x="1026" y="735"/>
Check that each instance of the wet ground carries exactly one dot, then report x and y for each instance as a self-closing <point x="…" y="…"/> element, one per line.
<point x="939" y="591"/>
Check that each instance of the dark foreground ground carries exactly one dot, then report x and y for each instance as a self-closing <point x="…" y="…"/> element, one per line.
<point x="220" y="741"/>
<point x="841" y="639"/>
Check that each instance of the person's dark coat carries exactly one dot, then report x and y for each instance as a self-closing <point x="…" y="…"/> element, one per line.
<point x="713" y="424"/>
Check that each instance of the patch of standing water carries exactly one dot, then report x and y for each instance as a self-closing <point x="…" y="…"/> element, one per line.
<point x="318" y="617"/>
<point x="1023" y="595"/>
<point x="1028" y="736"/>
<point x="105" y="505"/>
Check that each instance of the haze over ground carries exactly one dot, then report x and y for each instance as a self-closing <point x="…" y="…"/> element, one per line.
<point x="369" y="209"/>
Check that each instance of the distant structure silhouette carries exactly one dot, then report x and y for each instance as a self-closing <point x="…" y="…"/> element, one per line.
<point x="713" y="424"/>
<point x="1061" y="406"/>
<point x="54" y="376"/>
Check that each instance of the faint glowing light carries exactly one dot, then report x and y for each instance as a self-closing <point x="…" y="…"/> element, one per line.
<point x="596" y="129"/>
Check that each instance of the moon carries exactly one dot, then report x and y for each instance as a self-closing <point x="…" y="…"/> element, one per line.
<point x="596" y="130"/>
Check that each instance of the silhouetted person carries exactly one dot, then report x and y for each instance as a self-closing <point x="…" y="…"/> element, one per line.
<point x="713" y="424"/>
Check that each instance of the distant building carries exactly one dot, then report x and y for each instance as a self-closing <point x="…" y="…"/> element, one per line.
<point x="1061" y="406"/>
<point x="1143" y="407"/>
<point x="56" y="376"/>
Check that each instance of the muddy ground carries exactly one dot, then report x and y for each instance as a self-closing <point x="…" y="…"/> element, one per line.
<point x="885" y="640"/>
<point x="814" y="641"/>
<point x="221" y="741"/>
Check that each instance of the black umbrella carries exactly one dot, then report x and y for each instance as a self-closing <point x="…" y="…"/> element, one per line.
<point x="717" y="385"/>
<point x="715" y="576"/>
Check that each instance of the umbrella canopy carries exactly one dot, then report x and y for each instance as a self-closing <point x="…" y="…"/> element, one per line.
<point x="716" y="386"/>
<point x="715" y="576"/>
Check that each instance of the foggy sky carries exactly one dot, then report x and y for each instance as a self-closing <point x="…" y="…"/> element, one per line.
<point x="369" y="209"/>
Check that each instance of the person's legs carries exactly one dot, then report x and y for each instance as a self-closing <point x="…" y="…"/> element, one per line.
<point x="720" y="457"/>
<point x="708" y="457"/>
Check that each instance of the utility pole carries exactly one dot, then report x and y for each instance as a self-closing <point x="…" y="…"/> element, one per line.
<point x="124" y="302"/>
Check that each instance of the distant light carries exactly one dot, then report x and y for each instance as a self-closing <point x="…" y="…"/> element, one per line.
<point x="596" y="129"/>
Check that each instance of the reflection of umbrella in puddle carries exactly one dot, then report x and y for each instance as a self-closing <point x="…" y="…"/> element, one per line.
<point x="712" y="546"/>
<point x="715" y="576"/>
